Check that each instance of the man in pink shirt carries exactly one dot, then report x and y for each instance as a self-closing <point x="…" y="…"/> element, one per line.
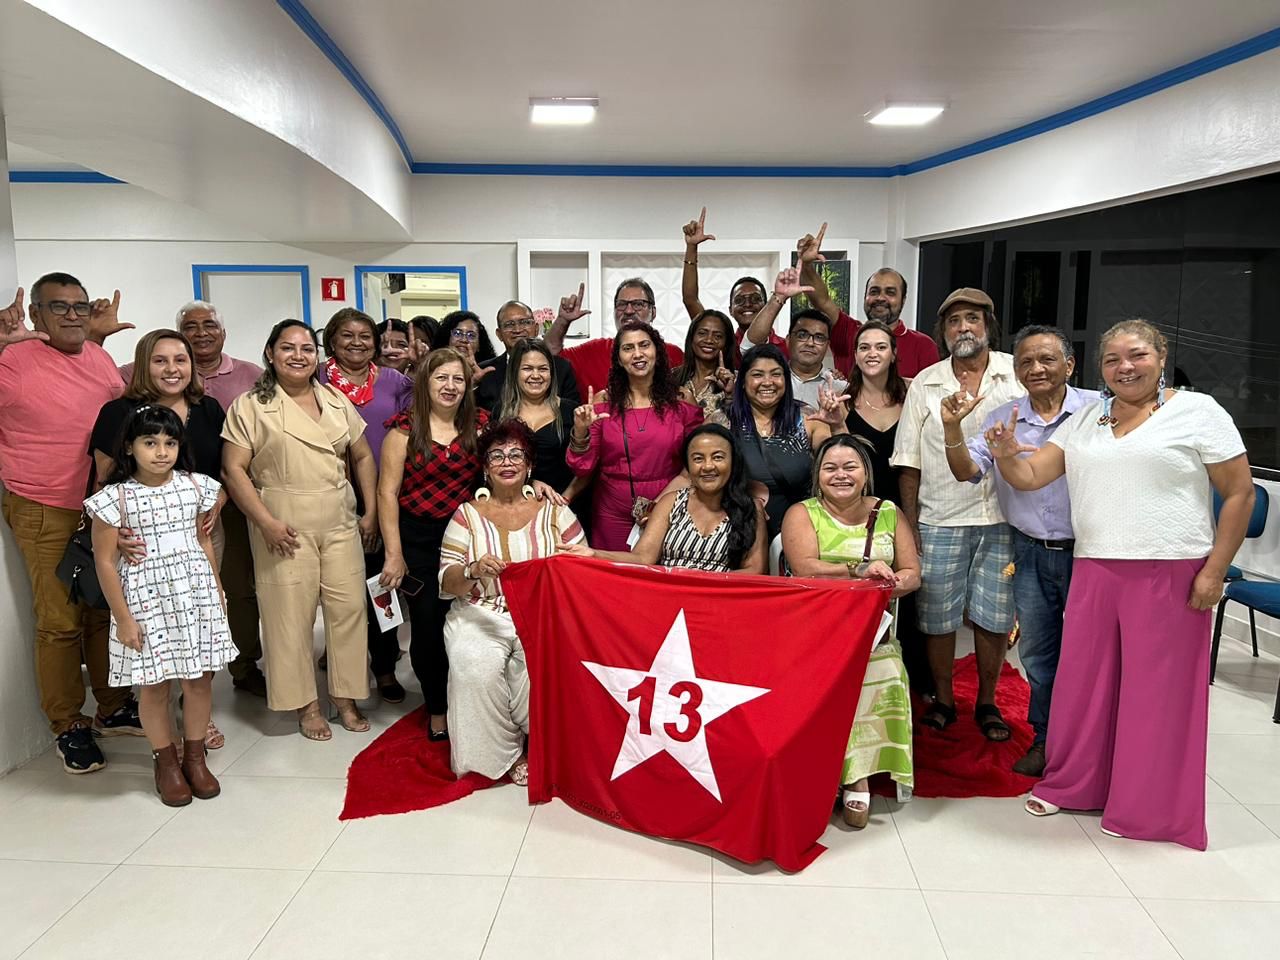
<point x="225" y="378"/>
<point x="53" y="381"/>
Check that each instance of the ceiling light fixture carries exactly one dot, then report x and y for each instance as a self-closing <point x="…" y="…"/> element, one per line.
<point x="905" y="114"/>
<point x="563" y="110"/>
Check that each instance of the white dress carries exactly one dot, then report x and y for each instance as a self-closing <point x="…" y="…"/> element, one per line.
<point x="172" y="593"/>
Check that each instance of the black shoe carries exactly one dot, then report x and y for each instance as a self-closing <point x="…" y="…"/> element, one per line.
<point x="437" y="736"/>
<point x="252" y="682"/>
<point x="79" y="752"/>
<point x="123" y="722"/>
<point x="391" y="691"/>
<point x="1032" y="763"/>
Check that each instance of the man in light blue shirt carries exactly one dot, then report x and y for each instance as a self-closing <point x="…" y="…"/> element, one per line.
<point x="1041" y="519"/>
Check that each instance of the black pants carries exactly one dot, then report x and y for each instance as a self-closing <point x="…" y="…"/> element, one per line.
<point x="384" y="648"/>
<point x="915" y="652"/>
<point x="420" y="539"/>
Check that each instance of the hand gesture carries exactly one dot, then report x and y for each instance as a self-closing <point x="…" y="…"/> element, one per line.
<point x="575" y="550"/>
<point x="281" y="539"/>
<point x="418" y="351"/>
<point x="487" y="567"/>
<point x="104" y="318"/>
<point x="958" y="406"/>
<point x="809" y="247"/>
<point x="571" y="307"/>
<point x="695" y="231"/>
<point x="393" y="571"/>
<point x="788" y="285"/>
<point x="129" y="633"/>
<point x="833" y="408"/>
<point x="879" y="570"/>
<point x="724" y="376"/>
<point x="586" y="415"/>
<point x="545" y="491"/>
<point x="13" y="328"/>
<point x="1001" y="440"/>
<point x="478" y="372"/>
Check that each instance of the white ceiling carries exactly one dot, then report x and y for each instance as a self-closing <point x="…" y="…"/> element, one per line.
<point x="25" y="158"/>
<point x="750" y="82"/>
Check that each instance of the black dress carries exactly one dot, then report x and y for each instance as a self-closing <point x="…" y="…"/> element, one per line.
<point x="784" y="464"/>
<point x="885" y="483"/>
<point x="549" y="464"/>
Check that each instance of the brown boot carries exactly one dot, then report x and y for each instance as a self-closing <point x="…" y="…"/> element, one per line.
<point x="203" y="783"/>
<point x="170" y="783"/>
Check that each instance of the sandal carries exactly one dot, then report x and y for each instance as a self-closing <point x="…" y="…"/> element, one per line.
<point x="1040" y="808"/>
<point x="855" y="808"/>
<point x="519" y="772"/>
<point x="213" y="738"/>
<point x="349" y="715"/>
<point x="939" y="716"/>
<point x="312" y="724"/>
<point x="991" y="721"/>
<point x="436" y="736"/>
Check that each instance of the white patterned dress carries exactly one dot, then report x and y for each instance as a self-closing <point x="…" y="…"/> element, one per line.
<point x="172" y="593"/>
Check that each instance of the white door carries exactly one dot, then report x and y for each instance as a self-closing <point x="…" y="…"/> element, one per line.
<point x="250" y="305"/>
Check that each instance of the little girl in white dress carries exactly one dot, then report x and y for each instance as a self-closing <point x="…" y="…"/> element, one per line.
<point x="168" y="616"/>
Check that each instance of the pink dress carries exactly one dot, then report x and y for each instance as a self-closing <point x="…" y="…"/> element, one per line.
<point x="655" y="444"/>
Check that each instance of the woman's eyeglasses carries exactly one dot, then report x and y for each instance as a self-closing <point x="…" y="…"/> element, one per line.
<point x="498" y="457"/>
<point x="464" y="336"/>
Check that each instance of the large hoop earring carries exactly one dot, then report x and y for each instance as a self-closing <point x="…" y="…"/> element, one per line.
<point x="484" y="493"/>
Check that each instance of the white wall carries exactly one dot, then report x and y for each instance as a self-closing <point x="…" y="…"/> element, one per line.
<point x="23" y="731"/>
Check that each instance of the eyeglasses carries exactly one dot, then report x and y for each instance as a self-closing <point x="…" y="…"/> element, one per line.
<point x="60" y="308"/>
<point x="803" y="336"/>
<point x="748" y="300"/>
<point x="496" y="457"/>
<point x="517" y="323"/>
<point x="466" y="336"/>
<point x="635" y="305"/>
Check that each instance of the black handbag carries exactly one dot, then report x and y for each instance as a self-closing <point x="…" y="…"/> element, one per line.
<point x="77" y="570"/>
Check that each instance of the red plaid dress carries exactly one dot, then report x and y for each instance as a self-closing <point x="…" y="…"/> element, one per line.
<point x="435" y="488"/>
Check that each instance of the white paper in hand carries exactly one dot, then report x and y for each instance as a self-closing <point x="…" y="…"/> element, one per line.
<point x="386" y="603"/>
<point x="882" y="631"/>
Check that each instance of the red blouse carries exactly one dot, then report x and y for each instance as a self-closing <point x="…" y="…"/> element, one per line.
<point x="435" y="488"/>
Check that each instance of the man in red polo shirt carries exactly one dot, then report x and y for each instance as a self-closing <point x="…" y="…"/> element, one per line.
<point x="882" y="300"/>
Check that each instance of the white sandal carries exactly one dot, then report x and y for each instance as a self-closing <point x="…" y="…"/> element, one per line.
<point x="856" y="808"/>
<point x="1047" y="809"/>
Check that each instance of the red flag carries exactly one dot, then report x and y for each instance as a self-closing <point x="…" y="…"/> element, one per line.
<point x="712" y="708"/>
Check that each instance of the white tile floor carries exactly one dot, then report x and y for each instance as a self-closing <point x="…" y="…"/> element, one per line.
<point x="97" y="865"/>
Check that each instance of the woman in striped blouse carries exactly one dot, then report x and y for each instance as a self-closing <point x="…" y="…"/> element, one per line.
<point x="713" y="524"/>
<point x="488" y="684"/>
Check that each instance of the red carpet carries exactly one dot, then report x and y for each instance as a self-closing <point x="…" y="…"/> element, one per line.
<point x="403" y="771"/>
<point x="960" y="761"/>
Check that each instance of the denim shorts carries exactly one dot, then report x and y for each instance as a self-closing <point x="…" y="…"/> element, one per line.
<point x="965" y="568"/>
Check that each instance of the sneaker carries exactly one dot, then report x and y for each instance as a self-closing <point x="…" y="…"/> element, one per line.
<point x="123" y="722"/>
<point x="79" y="752"/>
<point x="252" y="682"/>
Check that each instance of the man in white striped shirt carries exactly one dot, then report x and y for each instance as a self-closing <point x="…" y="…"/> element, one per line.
<point x="965" y="545"/>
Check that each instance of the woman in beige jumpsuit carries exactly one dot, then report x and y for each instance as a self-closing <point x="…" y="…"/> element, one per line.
<point x="288" y="441"/>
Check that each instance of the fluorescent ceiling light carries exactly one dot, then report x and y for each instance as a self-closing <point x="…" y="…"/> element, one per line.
<point x="563" y="110"/>
<point x="905" y="114"/>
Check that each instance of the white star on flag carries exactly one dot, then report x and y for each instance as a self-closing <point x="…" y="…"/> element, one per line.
<point x="670" y="706"/>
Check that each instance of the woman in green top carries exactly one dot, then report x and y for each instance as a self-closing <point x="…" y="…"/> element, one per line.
<point x="826" y="536"/>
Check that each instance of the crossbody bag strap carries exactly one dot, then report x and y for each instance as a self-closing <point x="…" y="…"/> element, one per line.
<point x="871" y="531"/>
<point x="626" y="447"/>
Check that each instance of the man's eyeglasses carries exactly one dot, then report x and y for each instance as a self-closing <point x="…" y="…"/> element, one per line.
<point x="60" y="308"/>
<point x="803" y="336"/>
<point x="497" y="457"/>
<point x="465" y="336"/>
<point x="517" y="323"/>
<point x="634" y="305"/>
<point x="748" y="300"/>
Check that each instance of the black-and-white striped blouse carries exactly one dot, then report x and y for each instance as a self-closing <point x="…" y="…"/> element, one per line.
<point x="684" y="546"/>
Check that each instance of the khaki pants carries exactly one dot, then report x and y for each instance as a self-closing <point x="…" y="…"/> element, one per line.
<point x="62" y="627"/>
<point x="327" y="568"/>
<point x="236" y="568"/>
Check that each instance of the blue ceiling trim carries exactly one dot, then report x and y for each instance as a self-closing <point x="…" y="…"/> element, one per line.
<point x="60" y="176"/>
<point x="642" y="170"/>
<point x="308" y="25"/>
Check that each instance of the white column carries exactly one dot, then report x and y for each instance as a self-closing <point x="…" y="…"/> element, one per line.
<point x="23" y="730"/>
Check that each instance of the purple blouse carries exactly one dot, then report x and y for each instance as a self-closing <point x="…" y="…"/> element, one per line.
<point x="392" y="392"/>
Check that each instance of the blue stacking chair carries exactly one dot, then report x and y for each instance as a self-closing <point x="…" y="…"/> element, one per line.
<point x="1253" y="594"/>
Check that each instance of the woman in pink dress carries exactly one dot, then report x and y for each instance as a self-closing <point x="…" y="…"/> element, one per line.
<point x="632" y="443"/>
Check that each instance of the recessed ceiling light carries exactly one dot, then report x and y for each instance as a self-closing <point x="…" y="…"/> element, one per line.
<point x="564" y="110"/>
<point x="905" y="114"/>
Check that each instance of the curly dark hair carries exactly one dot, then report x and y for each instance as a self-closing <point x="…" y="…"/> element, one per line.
<point x="507" y="431"/>
<point x="484" y="346"/>
<point x="662" y="391"/>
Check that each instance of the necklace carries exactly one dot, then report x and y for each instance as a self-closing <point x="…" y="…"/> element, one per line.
<point x="864" y="402"/>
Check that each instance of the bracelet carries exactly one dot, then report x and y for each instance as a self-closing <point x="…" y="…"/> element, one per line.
<point x="578" y="446"/>
<point x="466" y="572"/>
<point x="852" y="568"/>
<point x="691" y="263"/>
<point x="952" y="446"/>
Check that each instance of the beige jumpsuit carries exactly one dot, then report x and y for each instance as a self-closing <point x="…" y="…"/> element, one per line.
<point x="298" y="466"/>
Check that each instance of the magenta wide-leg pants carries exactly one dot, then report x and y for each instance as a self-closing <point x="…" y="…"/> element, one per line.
<point x="1130" y="714"/>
